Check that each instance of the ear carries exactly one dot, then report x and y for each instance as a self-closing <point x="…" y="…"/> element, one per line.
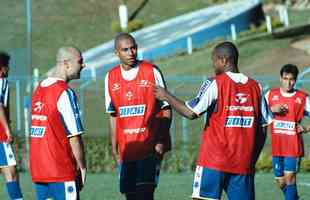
<point x="116" y="52"/>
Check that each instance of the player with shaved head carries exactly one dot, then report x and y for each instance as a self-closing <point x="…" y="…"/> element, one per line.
<point x="139" y="123"/>
<point x="57" y="158"/>
<point x="233" y="135"/>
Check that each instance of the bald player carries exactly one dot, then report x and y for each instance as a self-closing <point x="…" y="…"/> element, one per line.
<point x="139" y="123"/>
<point x="233" y="135"/>
<point x="57" y="158"/>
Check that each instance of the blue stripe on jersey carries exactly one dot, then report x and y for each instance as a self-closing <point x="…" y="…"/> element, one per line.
<point x="266" y="112"/>
<point x="111" y="108"/>
<point x="75" y="108"/>
<point x="204" y="87"/>
<point x="65" y="125"/>
<point x="3" y="89"/>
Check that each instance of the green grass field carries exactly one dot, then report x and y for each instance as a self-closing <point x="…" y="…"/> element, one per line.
<point x="171" y="187"/>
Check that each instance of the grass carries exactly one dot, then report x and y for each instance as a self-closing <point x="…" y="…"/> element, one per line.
<point x="171" y="187"/>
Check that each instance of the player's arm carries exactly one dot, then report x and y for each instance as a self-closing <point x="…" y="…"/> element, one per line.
<point x="179" y="105"/>
<point x="163" y="140"/>
<point x="114" y="138"/>
<point x="112" y="121"/>
<point x="69" y="109"/>
<point x="306" y="129"/>
<point x="193" y="108"/>
<point x="78" y="151"/>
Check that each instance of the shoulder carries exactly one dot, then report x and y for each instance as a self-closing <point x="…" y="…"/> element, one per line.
<point x="302" y="93"/>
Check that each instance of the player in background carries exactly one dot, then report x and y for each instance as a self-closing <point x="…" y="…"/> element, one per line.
<point x="289" y="106"/>
<point x="233" y="135"/>
<point x="139" y="123"/>
<point x="57" y="158"/>
<point x="7" y="159"/>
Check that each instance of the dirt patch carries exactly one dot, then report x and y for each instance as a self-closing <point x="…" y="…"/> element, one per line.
<point x="302" y="44"/>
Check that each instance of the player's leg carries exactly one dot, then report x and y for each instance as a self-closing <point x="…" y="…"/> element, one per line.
<point x="240" y="187"/>
<point x="147" y="171"/>
<point x="208" y="184"/>
<point x="291" y="167"/>
<point x="278" y="170"/>
<point x="64" y="190"/>
<point x="8" y="169"/>
<point x="127" y="179"/>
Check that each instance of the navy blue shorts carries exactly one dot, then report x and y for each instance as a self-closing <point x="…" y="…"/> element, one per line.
<point x="282" y="164"/>
<point x="209" y="184"/>
<point x="140" y="172"/>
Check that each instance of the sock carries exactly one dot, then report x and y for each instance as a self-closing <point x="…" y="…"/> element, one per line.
<point x="291" y="192"/>
<point x="14" y="190"/>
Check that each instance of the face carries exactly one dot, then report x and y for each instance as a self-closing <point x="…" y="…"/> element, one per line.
<point x="126" y="50"/>
<point x="287" y="82"/>
<point x="75" y="66"/>
<point x="218" y="64"/>
<point x="4" y="71"/>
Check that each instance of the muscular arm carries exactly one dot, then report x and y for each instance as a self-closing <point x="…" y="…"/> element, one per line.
<point x="78" y="151"/>
<point x="77" y="147"/>
<point x="174" y="102"/>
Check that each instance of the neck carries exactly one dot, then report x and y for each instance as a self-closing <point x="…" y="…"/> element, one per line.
<point x="287" y="91"/>
<point x="231" y="68"/>
<point x="59" y="73"/>
<point x="128" y="67"/>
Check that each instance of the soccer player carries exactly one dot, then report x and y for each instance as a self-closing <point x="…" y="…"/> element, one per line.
<point x="7" y="159"/>
<point x="289" y="106"/>
<point x="57" y="159"/>
<point x="233" y="135"/>
<point x="139" y="123"/>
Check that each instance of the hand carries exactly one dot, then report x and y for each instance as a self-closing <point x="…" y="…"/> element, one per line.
<point x="116" y="156"/>
<point x="280" y="109"/>
<point x="81" y="178"/>
<point x="300" y="129"/>
<point x="160" y="93"/>
<point x="10" y="138"/>
<point x="159" y="150"/>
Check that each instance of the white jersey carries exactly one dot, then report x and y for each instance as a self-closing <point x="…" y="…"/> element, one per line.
<point x="4" y="92"/>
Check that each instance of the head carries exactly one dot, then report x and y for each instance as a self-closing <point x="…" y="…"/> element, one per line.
<point x="4" y="64"/>
<point x="225" y="58"/>
<point x="125" y="48"/>
<point x="288" y="77"/>
<point x="70" y="62"/>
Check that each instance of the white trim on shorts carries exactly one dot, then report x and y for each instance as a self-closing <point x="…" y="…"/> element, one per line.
<point x="11" y="161"/>
<point x="70" y="195"/>
<point x="198" y="179"/>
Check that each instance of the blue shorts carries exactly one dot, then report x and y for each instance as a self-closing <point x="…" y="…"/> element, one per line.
<point x="209" y="184"/>
<point x="7" y="157"/>
<point x="282" y="164"/>
<point x="57" y="191"/>
<point x="140" y="172"/>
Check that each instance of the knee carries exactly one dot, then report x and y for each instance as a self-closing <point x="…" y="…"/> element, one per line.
<point x="10" y="174"/>
<point x="281" y="183"/>
<point x="290" y="178"/>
